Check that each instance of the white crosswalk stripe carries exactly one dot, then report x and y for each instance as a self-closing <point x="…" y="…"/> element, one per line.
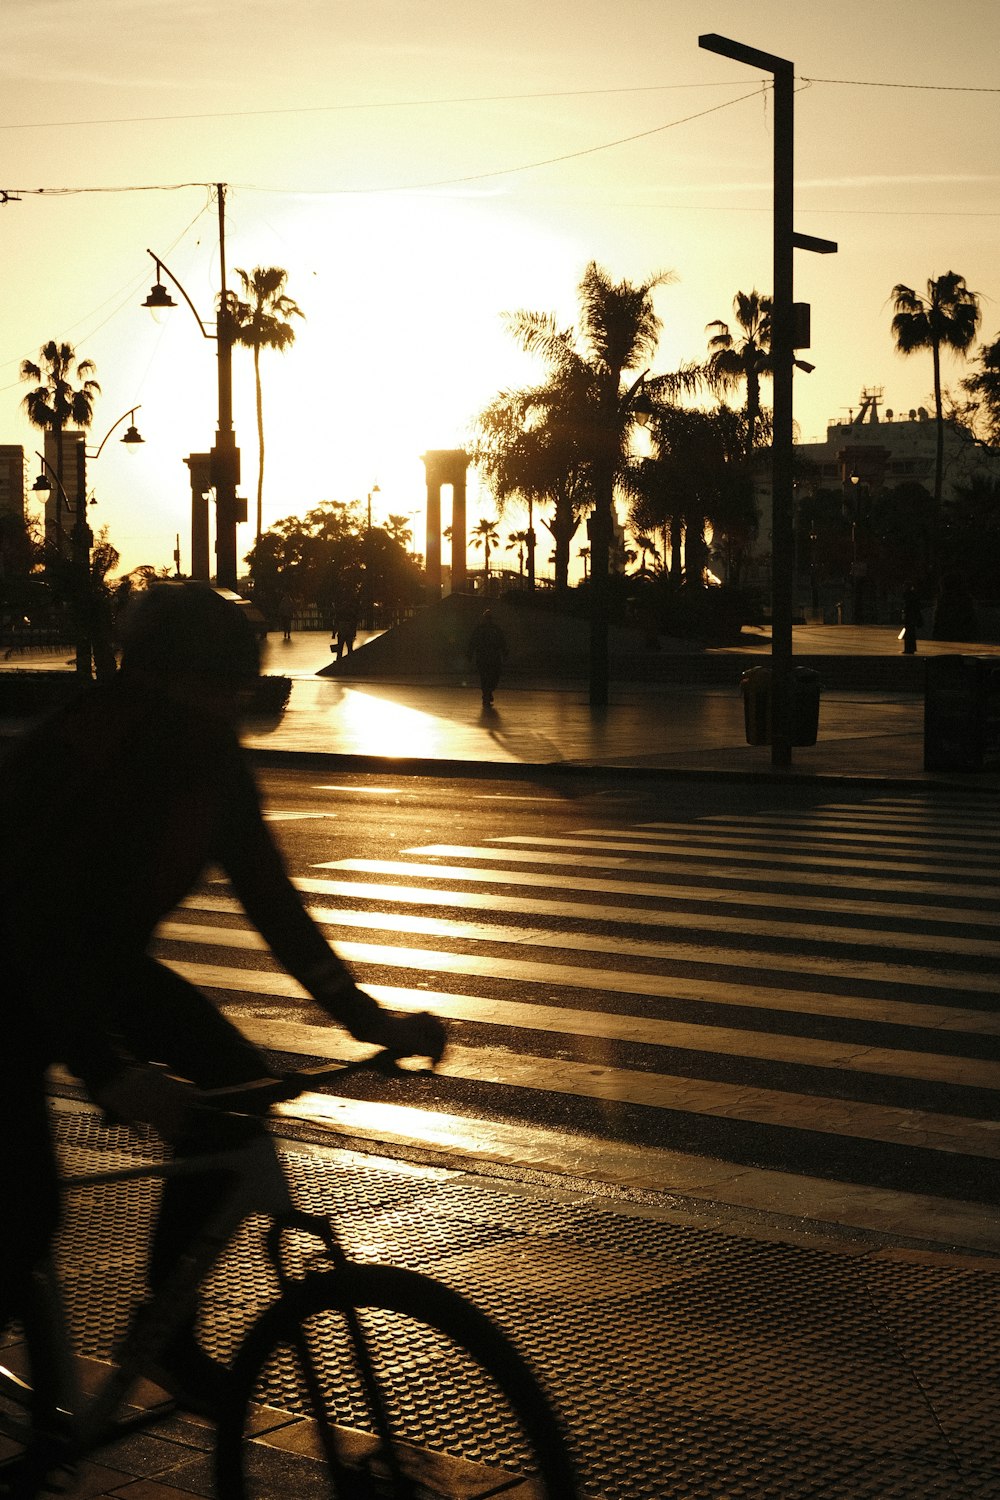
<point x="791" y="1010"/>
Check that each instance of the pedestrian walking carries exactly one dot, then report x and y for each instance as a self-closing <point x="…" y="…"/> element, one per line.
<point x="913" y="619"/>
<point x="345" y="629"/>
<point x="286" y="613"/>
<point x="488" y="647"/>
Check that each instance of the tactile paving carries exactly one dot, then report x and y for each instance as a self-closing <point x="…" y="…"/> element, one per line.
<point x="686" y="1361"/>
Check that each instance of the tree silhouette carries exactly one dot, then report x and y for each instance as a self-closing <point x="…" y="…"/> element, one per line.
<point x="566" y="440"/>
<point x="742" y="360"/>
<point x="55" y="403"/>
<point x="946" y="318"/>
<point x="399" y="528"/>
<point x="984" y="387"/>
<point x="517" y="541"/>
<point x="484" y="534"/>
<point x="261" y="322"/>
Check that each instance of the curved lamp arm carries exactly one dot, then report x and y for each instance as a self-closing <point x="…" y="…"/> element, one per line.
<point x="153" y="301"/>
<point x="48" y="469"/>
<point x="136" y="439"/>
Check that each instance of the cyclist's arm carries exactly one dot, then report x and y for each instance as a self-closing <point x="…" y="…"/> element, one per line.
<point x="254" y="864"/>
<point x="257" y="871"/>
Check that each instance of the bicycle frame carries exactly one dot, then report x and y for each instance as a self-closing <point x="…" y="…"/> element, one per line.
<point x="258" y="1186"/>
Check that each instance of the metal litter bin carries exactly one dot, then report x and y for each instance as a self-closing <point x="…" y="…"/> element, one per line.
<point x="758" y="705"/>
<point x="962" y="713"/>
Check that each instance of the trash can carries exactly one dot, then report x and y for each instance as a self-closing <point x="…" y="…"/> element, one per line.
<point x="962" y="713"/>
<point x="757" y="705"/>
<point x="756" y="685"/>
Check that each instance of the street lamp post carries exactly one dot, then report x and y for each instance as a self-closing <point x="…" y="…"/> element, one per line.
<point x="225" y="456"/>
<point x="82" y="537"/>
<point x="783" y="315"/>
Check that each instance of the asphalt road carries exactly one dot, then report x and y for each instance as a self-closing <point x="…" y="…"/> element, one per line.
<point x="773" y="999"/>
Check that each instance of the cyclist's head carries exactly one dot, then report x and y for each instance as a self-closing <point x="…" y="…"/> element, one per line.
<point x="187" y="631"/>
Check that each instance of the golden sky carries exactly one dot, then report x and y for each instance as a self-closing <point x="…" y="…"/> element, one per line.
<point x="419" y="168"/>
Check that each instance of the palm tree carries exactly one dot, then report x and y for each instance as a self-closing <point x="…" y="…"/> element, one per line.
<point x="646" y="547"/>
<point x="517" y="541"/>
<point x="947" y="317"/>
<point x="55" y="403"/>
<point x="400" y="530"/>
<point x="523" y="447"/>
<point x="569" y="438"/>
<point x="697" y="474"/>
<point x="742" y="360"/>
<point x="261" y="322"/>
<point x="485" y="535"/>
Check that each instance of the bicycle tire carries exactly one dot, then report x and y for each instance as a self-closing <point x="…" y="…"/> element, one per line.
<point x="420" y="1336"/>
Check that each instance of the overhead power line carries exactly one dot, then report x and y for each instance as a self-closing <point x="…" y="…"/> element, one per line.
<point x="933" y="88"/>
<point x="417" y="186"/>
<point x="329" y="109"/>
<point x="461" y="99"/>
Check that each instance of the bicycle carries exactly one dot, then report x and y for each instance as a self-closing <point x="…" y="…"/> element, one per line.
<point x="324" y="1393"/>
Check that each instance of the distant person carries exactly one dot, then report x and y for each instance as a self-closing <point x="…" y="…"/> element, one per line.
<point x="913" y="619"/>
<point x="123" y="798"/>
<point x="286" y="614"/>
<point x="488" y="647"/>
<point x="345" y="629"/>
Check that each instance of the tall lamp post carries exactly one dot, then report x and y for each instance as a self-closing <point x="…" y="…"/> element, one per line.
<point x="82" y="537"/>
<point x="783" y="343"/>
<point x="225" y="456"/>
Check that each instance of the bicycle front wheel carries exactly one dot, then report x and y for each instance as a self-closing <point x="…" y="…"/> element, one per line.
<point x="378" y="1382"/>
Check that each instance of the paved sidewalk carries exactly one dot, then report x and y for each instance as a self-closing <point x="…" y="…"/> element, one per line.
<point x="687" y="1359"/>
<point x="668" y="727"/>
<point x="691" y="1355"/>
<point x="676" y="727"/>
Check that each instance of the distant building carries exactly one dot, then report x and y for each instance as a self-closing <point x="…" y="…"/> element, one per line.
<point x="883" y="452"/>
<point x="12" y="480"/>
<point x="61" y="504"/>
<point x="876" y="451"/>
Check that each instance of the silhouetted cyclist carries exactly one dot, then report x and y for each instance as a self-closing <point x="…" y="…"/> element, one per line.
<point x="110" y="812"/>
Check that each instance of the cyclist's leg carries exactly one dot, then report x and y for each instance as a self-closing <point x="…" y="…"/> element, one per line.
<point x="29" y="1189"/>
<point x="164" y="1019"/>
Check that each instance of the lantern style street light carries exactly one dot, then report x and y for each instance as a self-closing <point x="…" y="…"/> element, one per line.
<point x="82" y="538"/>
<point x="225" y="456"/>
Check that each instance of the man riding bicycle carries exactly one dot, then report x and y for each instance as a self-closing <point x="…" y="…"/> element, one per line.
<point x="110" y="812"/>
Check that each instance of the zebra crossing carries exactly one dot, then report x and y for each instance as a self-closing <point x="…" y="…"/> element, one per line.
<point x="792" y="1011"/>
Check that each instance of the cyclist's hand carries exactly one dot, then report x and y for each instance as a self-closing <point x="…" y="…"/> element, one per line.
<point x="420" y="1035"/>
<point x="150" y="1096"/>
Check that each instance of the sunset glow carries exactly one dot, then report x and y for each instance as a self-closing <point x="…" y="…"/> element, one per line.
<point x="418" y="173"/>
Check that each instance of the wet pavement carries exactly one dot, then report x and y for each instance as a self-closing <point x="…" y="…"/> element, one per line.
<point x="680" y="726"/>
<point x="674" y="726"/>
<point x="686" y="1359"/>
<point x="691" y="1355"/>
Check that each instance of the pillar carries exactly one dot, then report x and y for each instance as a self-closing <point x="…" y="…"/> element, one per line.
<point x="446" y="466"/>
<point x="200" y="465"/>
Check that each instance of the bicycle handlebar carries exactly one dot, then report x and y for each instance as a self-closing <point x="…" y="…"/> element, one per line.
<point x="261" y="1092"/>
